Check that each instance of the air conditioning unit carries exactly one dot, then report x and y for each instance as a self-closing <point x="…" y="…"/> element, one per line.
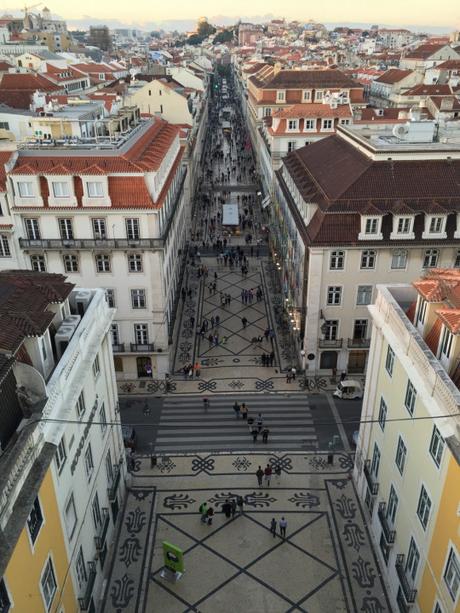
<point x="82" y="300"/>
<point x="62" y="339"/>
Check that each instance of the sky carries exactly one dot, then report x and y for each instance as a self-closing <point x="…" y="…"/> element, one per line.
<point x="138" y="12"/>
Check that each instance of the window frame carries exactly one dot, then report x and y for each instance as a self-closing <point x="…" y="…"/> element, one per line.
<point x="65" y="192"/>
<point x="452" y="554"/>
<point x="401" y="454"/>
<point x="383" y="412"/>
<point x="436" y="442"/>
<point x="48" y="570"/>
<point x="103" y="419"/>
<point x="110" y="297"/>
<point x="38" y="262"/>
<point x="71" y="262"/>
<point x="424" y="503"/>
<point x="89" y="462"/>
<point x="80" y="405"/>
<point x="99" y="233"/>
<point x="397" y="254"/>
<point x="5" y="250"/>
<point x="35" y="530"/>
<point x="428" y="256"/>
<point x="411" y="395"/>
<point x="138" y="299"/>
<point x="390" y="361"/>
<point x="31" y="191"/>
<point x="139" y="330"/>
<point x="360" y="291"/>
<point x="61" y="455"/>
<point x="337" y="256"/>
<point x="105" y="259"/>
<point x="92" y="187"/>
<point x="332" y="291"/>
<point x="368" y="255"/>
<point x="70" y="505"/>
<point x="133" y="228"/>
<point x="135" y="263"/>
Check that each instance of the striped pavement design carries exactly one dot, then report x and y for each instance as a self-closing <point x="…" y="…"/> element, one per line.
<point x="185" y="426"/>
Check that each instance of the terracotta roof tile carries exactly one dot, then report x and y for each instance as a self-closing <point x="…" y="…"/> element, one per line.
<point x="432" y="338"/>
<point x="394" y="75"/>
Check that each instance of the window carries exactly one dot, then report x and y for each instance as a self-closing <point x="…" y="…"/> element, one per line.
<point x="109" y="466"/>
<point x="48" y="584"/>
<point x="43" y="348"/>
<point x="411" y="395"/>
<point x="436" y="224"/>
<point x="99" y="229"/>
<point x="35" y="520"/>
<point x="80" y="405"/>
<point x="360" y="329"/>
<point x="375" y="465"/>
<point x="291" y="146"/>
<point x="423" y="507"/>
<point x="331" y="328"/>
<point x="102" y="418"/>
<point x="37" y="263"/>
<point x="61" y="455"/>
<point x="141" y="334"/>
<point x="446" y="343"/>
<point x="421" y="312"/>
<point x="135" y="262"/>
<point x="436" y="446"/>
<point x="293" y="124"/>
<point x="132" y="229"/>
<point x="110" y="297"/>
<point x="404" y="225"/>
<point x="89" y="464"/>
<point x="452" y="574"/>
<point x="371" y="226"/>
<point x="25" y="189"/>
<point x="319" y="95"/>
<point x="115" y="334"/>
<point x="334" y="295"/>
<point x="327" y="124"/>
<point x="70" y="263"/>
<point x="310" y="124"/>
<point x="430" y="259"/>
<point x="103" y="263"/>
<point x="94" y="189"/>
<point x="96" y="511"/>
<point x="399" y="259"/>
<point x="96" y="367"/>
<point x="392" y="505"/>
<point x="337" y="259"/>
<point x="457" y="260"/>
<point x="364" y="295"/>
<point x="80" y="569"/>
<point x="280" y="96"/>
<point x="138" y="298"/>
<point x="306" y="95"/>
<point x="401" y="452"/>
<point x="390" y="361"/>
<point x="437" y="608"/>
<point x="368" y="259"/>
<point x="267" y="111"/>
<point x="32" y="229"/>
<point x="4" y="125"/>
<point x="383" y="410"/>
<point x="413" y="559"/>
<point x="5" y="251"/>
<point x="60" y="189"/>
<point x="70" y="516"/>
<point x="5" y="602"/>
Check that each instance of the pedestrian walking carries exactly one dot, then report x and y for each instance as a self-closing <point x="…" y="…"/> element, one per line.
<point x="240" y="502"/>
<point x="205" y="404"/>
<point x="233" y="505"/>
<point x="236" y="408"/>
<point x="259" y="422"/>
<point x="278" y="474"/>
<point x="244" y="411"/>
<point x="283" y="526"/>
<point x="265" y="433"/>
<point x="210" y="514"/>
<point x="273" y="527"/>
<point x="268" y="475"/>
<point x="227" y="508"/>
<point x="259" y="475"/>
<point x="203" y="510"/>
<point x="244" y="321"/>
<point x="255" y="433"/>
<point x="293" y="372"/>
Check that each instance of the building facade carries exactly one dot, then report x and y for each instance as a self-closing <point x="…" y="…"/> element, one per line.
<point x="408" y="461"/>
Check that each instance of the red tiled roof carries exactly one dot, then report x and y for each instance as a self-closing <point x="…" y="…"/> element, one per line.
<point x="429" y="90"/>
<point x="394" y="75"/>
<point x="26" y="81"/>
<point x="312" y="110"/>
<point x="423" y="52"/>
<point x="432" y="338"/>
<point x="451" y="318"/>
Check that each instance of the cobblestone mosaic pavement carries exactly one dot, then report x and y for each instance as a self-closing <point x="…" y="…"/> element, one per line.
<point x="325" y="563"/>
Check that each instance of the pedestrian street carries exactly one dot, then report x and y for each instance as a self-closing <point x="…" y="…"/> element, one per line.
<point x="326" y="561"/>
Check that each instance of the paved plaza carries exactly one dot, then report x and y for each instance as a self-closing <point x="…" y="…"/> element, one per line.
<point x="326" y="563"/>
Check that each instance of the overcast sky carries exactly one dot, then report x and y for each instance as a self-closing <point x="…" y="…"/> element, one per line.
<point x="420" y="12"/>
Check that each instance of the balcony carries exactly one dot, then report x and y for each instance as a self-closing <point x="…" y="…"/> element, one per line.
<point x="373" y="485"/>
<point x="142" y="347"/>
<point x="389" y="534"/>
<point x="104" y="244"/>
<point x="118" y="348"/>
<point x="99" y="539"/>
<point x="359" y="343"/>
<point x="113" y="489"/>
<point x="409" y="593"/>
<point x="85" y="600"/>
<point x="336" y="343"/>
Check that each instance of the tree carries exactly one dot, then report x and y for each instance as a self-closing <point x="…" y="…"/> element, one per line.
<point x="205" y="29"/>
<point x="223" y="37"/>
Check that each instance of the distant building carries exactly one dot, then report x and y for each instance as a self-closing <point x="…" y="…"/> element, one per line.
<point x="249" y="34"/>
<point x="100" y="36"/>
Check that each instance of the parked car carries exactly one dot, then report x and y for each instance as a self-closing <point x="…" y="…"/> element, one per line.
<point x="348" y="389"/>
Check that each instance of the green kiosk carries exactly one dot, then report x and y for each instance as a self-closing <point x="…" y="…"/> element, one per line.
<point x="173" y="558"/>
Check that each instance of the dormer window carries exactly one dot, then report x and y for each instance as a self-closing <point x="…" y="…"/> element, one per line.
<point x="403" y="227"/>
<point x="370" y="228"/>
<point x="25" y="189"/>
<point x="306" y="95"/>
<point x="60" y="189"/>
<point x="293" y="125"/>
<point x="319" y="95"/>
<point x="281" y="95"/>
<point x="327" y="124"/>
<point x="435" y="226"/>
<point x="310" y="124"/>
<point x="446" y="345"/>
<point x="95" y="189"/>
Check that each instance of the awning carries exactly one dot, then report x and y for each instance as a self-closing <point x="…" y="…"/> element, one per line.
<point x="266" y="202"/>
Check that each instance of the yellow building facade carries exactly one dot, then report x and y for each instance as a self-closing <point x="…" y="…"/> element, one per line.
<point x="37" y="578"/>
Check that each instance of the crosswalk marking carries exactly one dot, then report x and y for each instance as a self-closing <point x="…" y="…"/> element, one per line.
<point x="186" y="426"/>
